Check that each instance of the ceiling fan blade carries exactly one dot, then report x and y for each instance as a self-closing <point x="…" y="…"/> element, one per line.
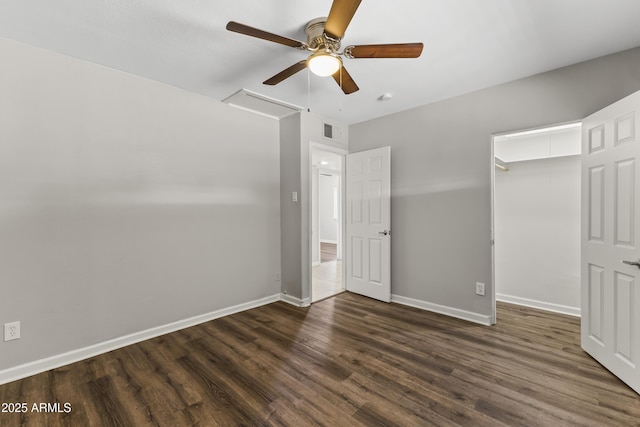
<point x="254" y="32"/>
<point x="286" y="73"/>
<point x="339" y="17"/>
<point x="345" y="81"/>
<point x="400" y="50"/>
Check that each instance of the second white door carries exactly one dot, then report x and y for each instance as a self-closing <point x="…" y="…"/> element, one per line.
<point x="368" y="223"/>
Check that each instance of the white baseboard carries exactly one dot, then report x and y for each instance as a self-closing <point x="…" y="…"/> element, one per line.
<point x="306" y="302"/>
<point x="333" y="242"/>
<point x="315" y="263"/>
<point x="556" y="308"/>
<point x="442" y="309"/>
<point x="43" y="365"/>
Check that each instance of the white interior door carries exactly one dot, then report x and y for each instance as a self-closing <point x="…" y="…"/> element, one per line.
<point x="368" y="223"/>
<point x="611" y="238"/>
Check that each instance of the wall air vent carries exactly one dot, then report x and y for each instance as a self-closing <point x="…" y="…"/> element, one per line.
<point x="260" y="104"/>
<point x="331" y="132"/>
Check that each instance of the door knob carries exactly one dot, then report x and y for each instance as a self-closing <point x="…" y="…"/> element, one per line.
<point x="385" y="232"/>
<point x="636" y="263"/>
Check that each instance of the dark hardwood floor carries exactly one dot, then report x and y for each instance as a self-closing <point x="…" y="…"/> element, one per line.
<point x="328" y="252"/>
<point x="345" y="361"/>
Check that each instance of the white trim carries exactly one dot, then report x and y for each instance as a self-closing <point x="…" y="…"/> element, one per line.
<point x="538" y="129"/>
<point x="492" y="292"/>
<point x="541" y="305"/>
<point x="442" y="309"/>
<point x="549" y="158"/>
<point x="43" y="365"/>
<point x="291" y="300"/>
<point x="306" y="302"/>
<point x="333" y="242"/>
<point x="544" y="129"/>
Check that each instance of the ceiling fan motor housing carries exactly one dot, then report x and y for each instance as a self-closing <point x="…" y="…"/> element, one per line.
<point x="316" y="38"/>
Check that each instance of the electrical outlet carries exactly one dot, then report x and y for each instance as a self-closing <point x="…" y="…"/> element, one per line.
<point x="479" y="288"/>
<point x="11" y="331"/>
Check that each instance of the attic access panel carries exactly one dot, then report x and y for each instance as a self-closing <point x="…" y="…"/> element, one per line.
<point x="260" y="104"/>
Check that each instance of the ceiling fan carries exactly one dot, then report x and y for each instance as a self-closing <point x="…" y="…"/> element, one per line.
<point x="323" y="41"/>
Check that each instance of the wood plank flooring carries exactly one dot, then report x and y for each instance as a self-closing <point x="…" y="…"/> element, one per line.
<point x="328" y="252"/>
<point x="345" y="361"/>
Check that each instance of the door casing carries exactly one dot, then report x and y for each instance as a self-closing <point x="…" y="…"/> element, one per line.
<point x="342" y="153"/>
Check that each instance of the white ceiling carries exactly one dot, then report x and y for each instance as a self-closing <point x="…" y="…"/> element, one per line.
<point x="469" y="44"/>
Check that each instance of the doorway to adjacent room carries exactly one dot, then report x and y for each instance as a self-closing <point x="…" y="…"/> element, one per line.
<point x="326" y="228"/>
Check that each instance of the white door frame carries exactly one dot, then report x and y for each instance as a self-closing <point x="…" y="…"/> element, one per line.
<point x="492" y="235"/>
<point x="493" y="189"/>
<point x="342" y="153"/>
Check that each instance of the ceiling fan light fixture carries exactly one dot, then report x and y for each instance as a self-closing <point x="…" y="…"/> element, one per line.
<point x="324" y="38"/>
<point x="324" y="64"/>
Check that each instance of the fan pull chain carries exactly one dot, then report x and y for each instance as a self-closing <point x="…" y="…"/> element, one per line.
<point x="341" y="98"/>
<point x="308" y="90"/>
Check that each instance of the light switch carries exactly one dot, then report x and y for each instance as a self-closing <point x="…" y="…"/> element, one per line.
<point x="294" y="196"/>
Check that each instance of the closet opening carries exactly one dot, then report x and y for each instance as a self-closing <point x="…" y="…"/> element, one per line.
<point x="536" y="214"/>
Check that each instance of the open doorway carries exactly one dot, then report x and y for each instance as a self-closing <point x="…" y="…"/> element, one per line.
<point x="326" y="224"/>
<point x="536" y="213"/>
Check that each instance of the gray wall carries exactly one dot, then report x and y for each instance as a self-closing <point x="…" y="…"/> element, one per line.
<point x="297" y="134"/>
<point x="441" y="171"/>
<point x="125" y="204"/>
<point x="312" y="134"/>
<point x="290" y="212"/>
